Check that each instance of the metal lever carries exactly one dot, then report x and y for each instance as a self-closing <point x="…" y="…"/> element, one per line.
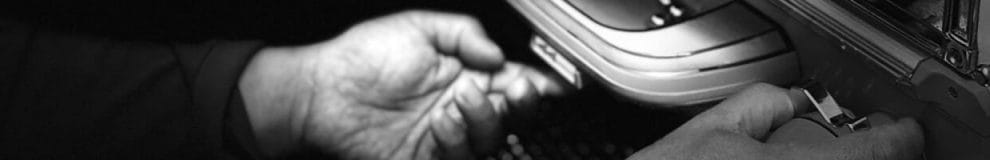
<point x="830" y="111"/>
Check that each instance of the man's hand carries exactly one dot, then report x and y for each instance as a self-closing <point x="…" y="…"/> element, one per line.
<point x="736" y="129"/>
<point x="413" y="85"/>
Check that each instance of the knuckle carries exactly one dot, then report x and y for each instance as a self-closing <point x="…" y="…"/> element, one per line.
<point x="414" y="15"/>
<point x="413" y="12"/>
<point x="764" y="88"/>
<point x="467" y="20"/>
<point x="463" y="22"/>
<point x="455" y="21"/>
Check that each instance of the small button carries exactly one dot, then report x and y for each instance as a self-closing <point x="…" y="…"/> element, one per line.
<point x="665" y="2"/>
<point x="658" y="20"/>
<point x="985" y="69"/>
<point x="676" y="12"/>
<point x="955" y="58"/>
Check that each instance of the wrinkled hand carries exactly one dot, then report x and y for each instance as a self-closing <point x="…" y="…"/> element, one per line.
<point x="412" y="85"/>
<point x="736" y="128"/>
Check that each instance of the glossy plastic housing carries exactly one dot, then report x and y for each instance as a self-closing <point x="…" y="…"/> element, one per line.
<point x="701" y="59"/>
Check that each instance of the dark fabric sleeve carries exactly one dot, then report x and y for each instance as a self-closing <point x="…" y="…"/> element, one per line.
<point x="79" y="97"/>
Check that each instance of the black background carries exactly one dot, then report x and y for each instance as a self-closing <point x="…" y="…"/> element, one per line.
<point x="277" y="22"/>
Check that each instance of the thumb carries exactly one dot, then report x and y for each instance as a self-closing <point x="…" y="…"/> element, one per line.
<point x="460" y="35"/>
<point x="523" y="86"/>
<point x="480" y="115"/>
<point x="901" y="139"/>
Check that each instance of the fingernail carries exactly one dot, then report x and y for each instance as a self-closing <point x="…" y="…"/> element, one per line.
<point x="521" y="93"/>
<point x="471" y="95"/>
<point x="498" y="102"/>
<point x="454" y="113"/>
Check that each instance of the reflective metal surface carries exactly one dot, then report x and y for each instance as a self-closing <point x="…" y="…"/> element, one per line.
<point x="698" y="60"/>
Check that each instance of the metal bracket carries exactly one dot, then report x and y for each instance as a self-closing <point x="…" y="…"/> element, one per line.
<point x="556" y="60"/>
<point x="830" y="111"/>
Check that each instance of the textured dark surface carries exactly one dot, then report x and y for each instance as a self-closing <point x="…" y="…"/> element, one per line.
<point x="588" y="125"/>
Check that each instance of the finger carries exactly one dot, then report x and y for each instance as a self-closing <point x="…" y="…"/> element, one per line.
<point x="753" y="111"/>
<point x="481" y="118"/>
<point x="445" y="71"/>
<point x="799" y="101"/>
<point x="461" y="35"/>
<point x="899" y="140"/>
<point x="499" y="102"/>
<point x="710" y="144"/>
<point x="730" y="130"/>
<point x="520" y="93"/>
<point x="544" y="84"/>
<point x="524" y="86"/>
<point x="449" y="133"/>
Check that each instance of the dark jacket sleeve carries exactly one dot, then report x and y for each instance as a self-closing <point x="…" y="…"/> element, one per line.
<point x="80" y="97"/>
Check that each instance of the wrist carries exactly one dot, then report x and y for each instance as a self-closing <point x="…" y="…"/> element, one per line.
<point x="274" y="87"/>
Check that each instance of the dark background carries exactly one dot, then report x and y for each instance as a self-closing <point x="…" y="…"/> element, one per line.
<point x="278" y="22"/>
<point x="590" y="123"/>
